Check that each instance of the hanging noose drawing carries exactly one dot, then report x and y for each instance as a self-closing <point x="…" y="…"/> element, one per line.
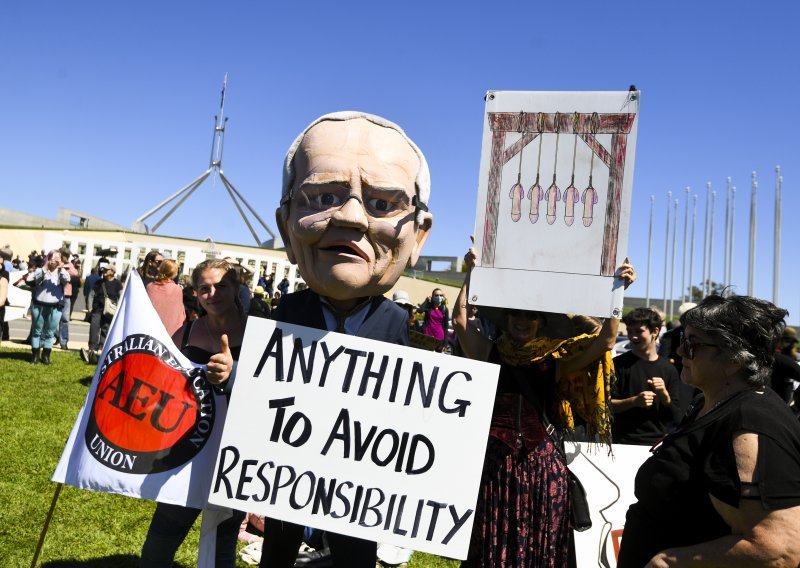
<point x="517" y="191"/>
<point x="571" y="194"/>
<point x="535" y="193"/>
<point x="589" y="197"/>
<point x="553" y="194"/>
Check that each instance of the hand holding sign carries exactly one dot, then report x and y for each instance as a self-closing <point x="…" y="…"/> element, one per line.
<point x="221" y="364"/>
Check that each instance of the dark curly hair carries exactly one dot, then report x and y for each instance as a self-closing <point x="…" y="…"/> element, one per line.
<point x="746" y="329"/>
<point x="646" y="317"/>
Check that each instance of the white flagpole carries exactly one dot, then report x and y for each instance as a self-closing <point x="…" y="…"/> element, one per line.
<point x="685" y="238"/>
<point x="666" y="252"/>
<point x="691" y="254"/>
<point x="672" y="269"/>
<point x="732" y="235"/>
<point x="711" y="239"/>
<point x="752" y="256"/>
<point x="703" y="283"/>
<point x="777" y="256"/>
<point x="725" y="281"/>
<point x="649" y="251"/>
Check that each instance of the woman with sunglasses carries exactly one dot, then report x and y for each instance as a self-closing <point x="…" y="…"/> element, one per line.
<point x="724" y="488"/>
<point x="522" y="514"/>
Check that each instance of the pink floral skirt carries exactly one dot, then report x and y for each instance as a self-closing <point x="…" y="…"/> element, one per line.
<point x="522" y="515"/>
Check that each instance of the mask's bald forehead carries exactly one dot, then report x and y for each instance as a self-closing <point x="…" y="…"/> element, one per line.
<point x="332" y="149"/>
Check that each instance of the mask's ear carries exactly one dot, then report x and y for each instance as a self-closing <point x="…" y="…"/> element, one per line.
<point x="423" y="230"/>
<point x="280" y="220"/>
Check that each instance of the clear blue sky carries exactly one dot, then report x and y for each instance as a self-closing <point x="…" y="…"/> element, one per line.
<point x="108" y="106"/>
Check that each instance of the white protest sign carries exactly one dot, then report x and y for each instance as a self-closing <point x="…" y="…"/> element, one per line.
<point x="18" y="299"/>
<point x="554" y="195"/>
<point x="609" y="483"/>
<point x="358" y="437"/>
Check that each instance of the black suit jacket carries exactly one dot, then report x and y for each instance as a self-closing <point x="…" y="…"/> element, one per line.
<point x="385" y="321"/>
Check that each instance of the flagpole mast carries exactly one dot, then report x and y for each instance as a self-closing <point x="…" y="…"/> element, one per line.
<point x="732" y="235"/>
<point x="672" y="269"/>
<point x="711" y="239"/>
<point x="777" y="256"/>
<point x="649" y="251"/>
<point x="691" y="254"/>
<point x="685" y="238"/>
<point x="666" y="251"/>
<point x="752" y="256"/>
<point x="703" y="283"/>
<point x="725" y="281"/>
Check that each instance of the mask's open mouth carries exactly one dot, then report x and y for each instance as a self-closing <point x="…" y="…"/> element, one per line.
<point x="345" y="249"/>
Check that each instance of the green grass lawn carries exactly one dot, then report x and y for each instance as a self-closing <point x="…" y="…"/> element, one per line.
<point x="38" y="406"/>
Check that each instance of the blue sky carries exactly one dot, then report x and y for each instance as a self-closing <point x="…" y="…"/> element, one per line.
<point x="108" y="106"/>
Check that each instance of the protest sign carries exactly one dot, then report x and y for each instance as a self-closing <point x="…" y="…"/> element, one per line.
<point x="151" y="424"/>
<point x="609" y="484"/>
<point x="354" y="436"/>
<point x="19" y="300"/>
<point x="554" y="200"/>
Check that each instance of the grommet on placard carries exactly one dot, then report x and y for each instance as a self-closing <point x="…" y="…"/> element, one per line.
<point x="616" y="312"/>
<point x="474" y="298"/>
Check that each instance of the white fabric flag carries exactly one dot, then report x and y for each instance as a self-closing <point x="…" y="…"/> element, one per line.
<point x="151" y="423"/>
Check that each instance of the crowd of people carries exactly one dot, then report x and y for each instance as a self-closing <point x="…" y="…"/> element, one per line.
<point x="712" y="394"/>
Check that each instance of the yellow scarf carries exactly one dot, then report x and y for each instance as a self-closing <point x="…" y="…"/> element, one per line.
<point x="586" y="392"/>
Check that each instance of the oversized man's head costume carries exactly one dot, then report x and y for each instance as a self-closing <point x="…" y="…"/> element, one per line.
<point x="353" y="211"/>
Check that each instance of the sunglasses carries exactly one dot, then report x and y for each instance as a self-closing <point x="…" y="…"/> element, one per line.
<point x="689" y="345"/>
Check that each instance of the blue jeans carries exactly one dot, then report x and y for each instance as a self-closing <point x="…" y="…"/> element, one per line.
<point x="45" y="320"/>
<point x="169" y="527"/>
<point x="63" y="326"/>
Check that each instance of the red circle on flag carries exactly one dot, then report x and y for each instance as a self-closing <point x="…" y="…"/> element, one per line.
<point x="143" y="404"/>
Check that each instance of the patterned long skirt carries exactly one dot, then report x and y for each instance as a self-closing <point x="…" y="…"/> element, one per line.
<point x="522" y="516"/>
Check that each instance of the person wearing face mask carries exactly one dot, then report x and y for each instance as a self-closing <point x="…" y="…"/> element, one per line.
<point x="437" y="318"/>
<point x="354" y="216"/>
<point x="523" y="509"/>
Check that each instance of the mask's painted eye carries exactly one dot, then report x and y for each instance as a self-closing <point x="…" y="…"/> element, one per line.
<point x="327" y="199"/>
<point x="381" y="206"/>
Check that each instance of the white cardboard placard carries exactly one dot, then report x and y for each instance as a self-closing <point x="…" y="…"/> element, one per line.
<point x="399" y="465"/>
<point x="609" y="484"/>
<point x="554" y="197"/>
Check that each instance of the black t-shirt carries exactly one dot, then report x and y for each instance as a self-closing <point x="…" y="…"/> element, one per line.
<point x="644" y="426"/>
<point x="697" y="460"/>
<point x="785" y="371"/>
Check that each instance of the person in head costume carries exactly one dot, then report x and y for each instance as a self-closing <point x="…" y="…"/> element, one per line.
<point x="353" y="216"/>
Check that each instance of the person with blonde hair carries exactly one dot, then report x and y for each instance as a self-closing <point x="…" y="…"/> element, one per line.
<point x="215" y="340"/>
<point x="167" y="296"/>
